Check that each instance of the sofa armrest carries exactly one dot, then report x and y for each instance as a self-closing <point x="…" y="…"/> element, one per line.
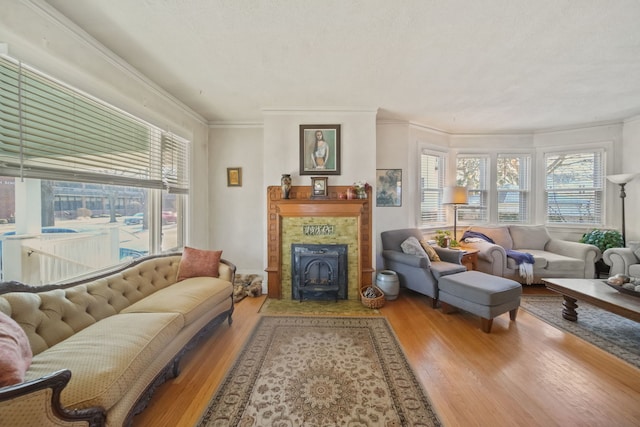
<point x="227" y="270"/>
<point x="493" y="256"/>
<point x="619" y="259"/>
<point x="588" y="253"/>
<point x="402" y="258"/>
<point x="577" y="250"/>
<point x="37" y="402"/>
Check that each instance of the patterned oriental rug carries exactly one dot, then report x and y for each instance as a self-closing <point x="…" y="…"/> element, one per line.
<point x="320" y="371"/>
<point x="612" y="333"/>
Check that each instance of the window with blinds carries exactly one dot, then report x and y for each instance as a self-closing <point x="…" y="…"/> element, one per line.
<point x="472" y="171"/>
<point x="513" y="187"/>
<point x="432" y="174"/>
<point x="574" y="187"/>
<point x="51" y="131"/>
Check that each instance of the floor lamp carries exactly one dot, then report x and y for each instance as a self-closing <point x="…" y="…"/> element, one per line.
<point x="622" y="180"/>
<point x="455" y="196"/>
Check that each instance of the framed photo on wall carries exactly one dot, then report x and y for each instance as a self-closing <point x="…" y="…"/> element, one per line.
<point x="388" y="187"/>
<point x="319" y="149"/>
<point x="319" y="189"/>
<point x="234" y="177"/>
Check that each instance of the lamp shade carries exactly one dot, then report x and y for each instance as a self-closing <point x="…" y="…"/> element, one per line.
<point x="622" y="178"/>
<point x="455" y="196"/>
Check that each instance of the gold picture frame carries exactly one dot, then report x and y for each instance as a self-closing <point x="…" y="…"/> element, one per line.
<point x="319" y="187"/>
<point x="234" y="177"/>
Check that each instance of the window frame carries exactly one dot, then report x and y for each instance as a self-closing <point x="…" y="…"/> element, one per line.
<point x="600" y="195"/>
<point x="440" y="213"/>
<point x="524" y="188"/>
<point x="484" y="193"/>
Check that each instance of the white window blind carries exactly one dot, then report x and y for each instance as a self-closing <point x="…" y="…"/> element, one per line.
<point x="513" y="186"/>
<point x="175" y="161"/>
<point x="574" y="187"/>
<point x="432" y="173"/>
<point x="472" y="172"/>
<point x="51" y="131"/>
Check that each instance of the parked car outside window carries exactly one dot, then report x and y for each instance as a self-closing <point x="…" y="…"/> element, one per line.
<point x="135" y="219"/>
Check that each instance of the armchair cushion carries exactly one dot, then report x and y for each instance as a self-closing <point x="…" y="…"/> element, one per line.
<point x="442" y="268"/>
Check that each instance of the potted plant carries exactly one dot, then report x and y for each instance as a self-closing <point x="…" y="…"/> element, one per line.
<point x="603" y="239"/>
<point x="444" y="240"/>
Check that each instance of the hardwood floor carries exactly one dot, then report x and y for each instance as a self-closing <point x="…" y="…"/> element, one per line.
<point x="525" y="373"/>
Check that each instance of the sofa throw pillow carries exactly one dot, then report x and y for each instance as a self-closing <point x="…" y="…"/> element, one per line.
<point x="412" y="246"/>
<point x="529" y="236"/>
<point x="431" y="253"/>
<point x="499" y="235"/>
<point x="199" y="263"/>
<point x="15" y="352"/>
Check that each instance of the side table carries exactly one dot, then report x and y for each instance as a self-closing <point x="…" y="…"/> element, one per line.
<point x="470" y="259"/>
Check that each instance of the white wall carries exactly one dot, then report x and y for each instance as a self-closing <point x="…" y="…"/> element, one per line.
<point x="236" y="214"/>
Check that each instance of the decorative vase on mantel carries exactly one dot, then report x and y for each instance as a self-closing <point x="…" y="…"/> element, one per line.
<point x="285" y="184"/>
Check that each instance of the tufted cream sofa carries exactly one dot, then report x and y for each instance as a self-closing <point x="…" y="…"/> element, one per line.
<point x="111" y="340"/>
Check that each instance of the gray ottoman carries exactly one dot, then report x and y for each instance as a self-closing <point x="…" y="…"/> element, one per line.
<point x="481" y="294"/>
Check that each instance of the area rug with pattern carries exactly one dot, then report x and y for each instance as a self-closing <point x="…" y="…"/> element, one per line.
<point x="320" y="371"/>
<point x="612" y="333"/>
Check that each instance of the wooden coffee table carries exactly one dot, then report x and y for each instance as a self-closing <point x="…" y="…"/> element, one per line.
<point x="595" y="292"/>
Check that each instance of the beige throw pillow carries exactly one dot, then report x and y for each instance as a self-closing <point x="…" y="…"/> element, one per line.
<point x="431" y="253"/>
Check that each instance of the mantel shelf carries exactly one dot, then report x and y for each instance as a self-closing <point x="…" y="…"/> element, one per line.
<point x="327" y="207"/>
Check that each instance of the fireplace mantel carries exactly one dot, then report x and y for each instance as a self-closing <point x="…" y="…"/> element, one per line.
<point x="301" y="205"/>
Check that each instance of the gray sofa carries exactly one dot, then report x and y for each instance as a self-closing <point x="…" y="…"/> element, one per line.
<point x="418" y="273"/>
<point x="553" y="257"/>
<point x="101" y="346"/>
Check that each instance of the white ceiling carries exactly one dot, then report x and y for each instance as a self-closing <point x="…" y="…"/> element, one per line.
<point x="462" y="66"/>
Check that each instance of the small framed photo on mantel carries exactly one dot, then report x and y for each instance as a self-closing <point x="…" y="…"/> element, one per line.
<point x="319" y="189"/>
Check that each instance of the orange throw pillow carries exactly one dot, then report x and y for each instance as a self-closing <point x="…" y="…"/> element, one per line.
<point x="15" y="352"/>
<point x="199" y="263"/>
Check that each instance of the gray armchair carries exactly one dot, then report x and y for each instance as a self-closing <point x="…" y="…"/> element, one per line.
<point x="418" y="273"/>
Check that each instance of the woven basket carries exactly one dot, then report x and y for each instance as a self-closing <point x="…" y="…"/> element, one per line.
<point x="376" y="302"/>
